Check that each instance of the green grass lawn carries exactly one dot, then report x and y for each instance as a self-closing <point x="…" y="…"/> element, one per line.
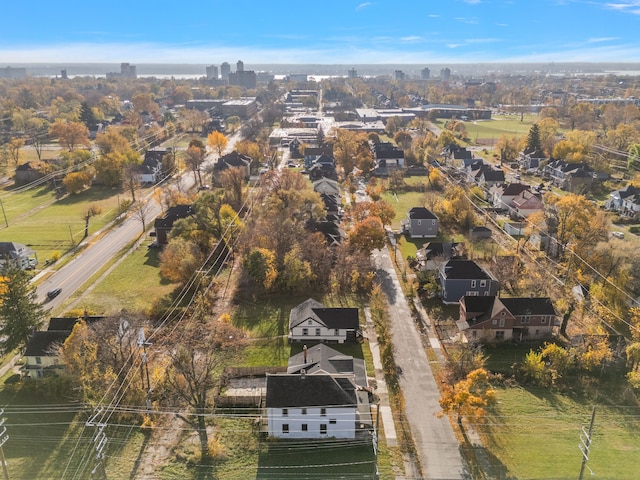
<point x="402" y="203"/>
<point x="47" y="435"/>
<point x="534" y="434"/>
<point x="134" y="284"/>
<point x="47" y="225"/>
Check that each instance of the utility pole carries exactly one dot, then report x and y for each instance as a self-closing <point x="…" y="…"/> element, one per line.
<point x="585" y="443"/>
<point x="144" y="372"/>
<point x="100" y="441"/>
<point x="3" y="440"/>
<point x="4" y="214"/>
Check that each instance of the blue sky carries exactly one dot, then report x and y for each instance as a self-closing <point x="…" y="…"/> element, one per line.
<point x="327" y="32"/>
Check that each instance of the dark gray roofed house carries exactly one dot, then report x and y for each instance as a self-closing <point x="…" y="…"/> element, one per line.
<point x="312" y="321"/>
<point x="420" y="223"/>
<point x="322" y="359"/>
<point x="234" y="160"/>
<point x="18" y="254"/>
<point x="465" y="277"/>
<point x="314" y="406"/>
<point x="491" y="319"/>
<point x="42" y="354"/>
<point x="164" y="224"/>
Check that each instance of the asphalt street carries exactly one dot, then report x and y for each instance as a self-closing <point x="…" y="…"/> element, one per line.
<point x="437" y="447"/>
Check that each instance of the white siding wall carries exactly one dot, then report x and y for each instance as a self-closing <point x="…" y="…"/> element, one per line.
<point x="344" y="426"/>
<point x="326" y="334"/>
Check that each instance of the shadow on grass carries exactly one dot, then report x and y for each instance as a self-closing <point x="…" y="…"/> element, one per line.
<point x="153" y="258"/>
<point x="141" y="451"/>
<point x="483" y="463"/>
<point x="93" y="194"/>
<point x="317" y="459"/>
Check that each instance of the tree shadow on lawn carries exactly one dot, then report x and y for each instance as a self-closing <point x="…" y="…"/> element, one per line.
<point x="93" y="194"/>
<point x="41" y="441"/>
<point x="483" y="463"/>
<point x="319" y="459"/>
<point x="153" y="260"/>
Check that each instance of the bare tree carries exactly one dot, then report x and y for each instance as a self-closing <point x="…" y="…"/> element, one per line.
<point x="142" y="209"/>
<point x="195" y="365"/>
<point x="92" y="211"/>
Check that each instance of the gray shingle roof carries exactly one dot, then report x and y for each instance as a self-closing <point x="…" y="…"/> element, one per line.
<point x="290" y="391"/>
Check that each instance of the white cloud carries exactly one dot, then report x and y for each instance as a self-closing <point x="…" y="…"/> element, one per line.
<point x="411" y="39"/>
<point x="632" y="7"/>
<point x="363" y="5"/>
<point x="468" y="20"/>
<point x="602" y="39"/>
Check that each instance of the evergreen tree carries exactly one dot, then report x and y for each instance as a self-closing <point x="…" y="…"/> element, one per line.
<point x="533" y="139"/>
<point x="20" y="312"/>
<point x="87" y="116"/>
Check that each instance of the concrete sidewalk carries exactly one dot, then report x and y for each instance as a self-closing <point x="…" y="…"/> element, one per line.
<point x="381" y="389"/>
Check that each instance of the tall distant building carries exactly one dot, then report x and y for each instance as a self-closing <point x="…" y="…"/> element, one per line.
<point x="353" y="73"/>
<point x="225" y="69"/>
<point x="445" y="73"/>
<point x="425" y="73"/>
<point x="239" y="66"/>
<point x="63" y="74"/>
<point x="128" y="71"/>
<point x="398" y="75"/>
<point x="243" y="78"/>
<point x="212" y="71"/>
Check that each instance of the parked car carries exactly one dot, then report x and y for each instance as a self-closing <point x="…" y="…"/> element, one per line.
<point x="618" y="234"/>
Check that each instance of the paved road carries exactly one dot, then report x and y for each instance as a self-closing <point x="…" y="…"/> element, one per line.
<point x="101" y="249"/>
<point x="437" y="447"/>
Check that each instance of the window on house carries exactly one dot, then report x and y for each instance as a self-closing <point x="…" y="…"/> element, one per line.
<point x="473" y="284"/>
<point x="317" y="332"/>
<point x="474" y="333"/>
<point x="419" y="222"/>
<point x="502" y="314"/>
<point x="494" y="322"/>
<point x="323" y="429"/>
<point x="38" y="360"/>
<point x="305" y="331"/>
<point x="543" y="319"/>
<point x="323" y="412"/>
<point x="285" y="412"/>
<point x="304" y="411"/>
<point x="332" y="421"/>
<point x="336" y="332"/>
<point x="500" y="335"/>
<point x="502" y="322"/>
<point x="483" y="283"/>
<point x="285" y="428"/>
<point x="309" y="322"/>
<point x="472" y="293"/>
<point x="305" y="427"/>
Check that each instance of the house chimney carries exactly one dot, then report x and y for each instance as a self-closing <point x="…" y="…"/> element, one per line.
<point x="304" y="353"/>
<point x="302" y="373"/>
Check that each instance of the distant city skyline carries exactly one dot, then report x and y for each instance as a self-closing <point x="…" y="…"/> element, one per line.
<point x="329" y="32"/>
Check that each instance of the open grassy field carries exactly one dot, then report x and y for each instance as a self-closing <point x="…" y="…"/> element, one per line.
<point x="134" y="284"/>
<point x="47" y="435"/>
<point x="534" y="434"/>
<point x="48" y="225"/>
